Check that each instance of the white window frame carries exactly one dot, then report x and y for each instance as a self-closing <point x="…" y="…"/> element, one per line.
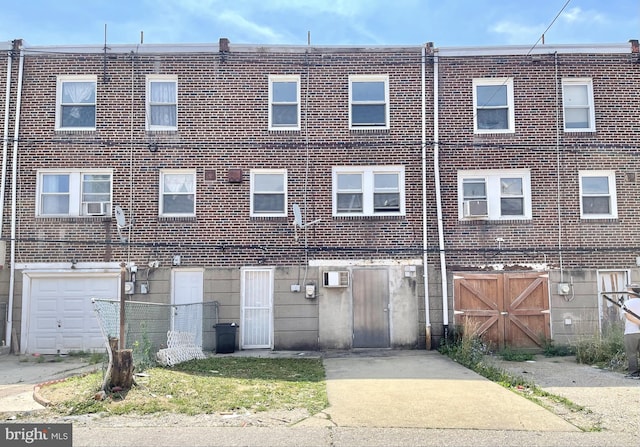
<point x="352" y="102"/>
<point x="61" y="80"/>
<point x="283" y="173"/>
<point x="368" y="191"/>
<point x="480" y="82"/>
<point x="272" y="102"/>
<point x="612" y="194"/>
<point x="76" y="205"/>
<point x="493" y="192"/>
<point x="163" y="173"/>
<point x="150" y="79"/>
<point x="588" y="83"/>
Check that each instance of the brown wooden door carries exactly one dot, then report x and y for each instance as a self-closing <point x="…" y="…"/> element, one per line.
<point x="506" y="309"/>
<point x="370" y="308"/>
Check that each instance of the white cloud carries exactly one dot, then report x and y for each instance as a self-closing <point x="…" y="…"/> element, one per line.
<point x="518" y="33"/>
<point x="577" y="15"/>
<point x="253" y="29"/>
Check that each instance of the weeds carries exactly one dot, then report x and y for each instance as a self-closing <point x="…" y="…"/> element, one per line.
<point x="606" y="350"/>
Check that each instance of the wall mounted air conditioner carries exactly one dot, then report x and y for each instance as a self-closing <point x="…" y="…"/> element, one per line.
<point x="336" y="279"/>
<point x="96" y="208"/>
<point x="475" y="208"/>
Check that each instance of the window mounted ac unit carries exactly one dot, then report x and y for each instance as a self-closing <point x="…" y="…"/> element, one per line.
<point x="475" y="208"/>
<point x="96" y="208"/>
<point x="336" y="279"/>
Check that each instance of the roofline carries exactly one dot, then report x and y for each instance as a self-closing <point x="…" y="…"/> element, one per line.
<point x="520" y="50"/>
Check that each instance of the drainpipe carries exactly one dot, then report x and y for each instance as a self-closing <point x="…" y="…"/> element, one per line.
<point x="436" y="174"/>
<point x="424" y="202"/>
<point x="5" y="146"/>
<point x="14" y="191"/>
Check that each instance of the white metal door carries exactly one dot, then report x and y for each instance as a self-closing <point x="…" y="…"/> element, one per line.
<point x="257" y="308"/>
<point x="61" y="318"/>
<point x="611" y="281"/>
<point x="187" y="296"/>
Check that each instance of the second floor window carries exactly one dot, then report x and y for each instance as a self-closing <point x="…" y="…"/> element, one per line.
<point x="369" y="102"/>
<point x="368" y="190"/>
<point x="268" y="193"/>
<point x="577" y="98"/>
<point x="493" y="105"/>
<point x="177" y="193"/>
<point x="598" y="195"/>
<point x="74" y="193"/>
<point x="494" y="195"/>
<point x="284" y="103"/>
<point x="76" y="103"/>
<point x="162" y="103"/>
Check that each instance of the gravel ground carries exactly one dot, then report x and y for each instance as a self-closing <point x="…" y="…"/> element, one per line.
<point x="611" y="402"/>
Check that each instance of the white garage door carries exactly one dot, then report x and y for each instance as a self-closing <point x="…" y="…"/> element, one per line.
<point x="61" y="316"/>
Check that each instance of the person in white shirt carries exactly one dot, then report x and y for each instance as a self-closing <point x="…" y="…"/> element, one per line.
<point x="632" y="331"/>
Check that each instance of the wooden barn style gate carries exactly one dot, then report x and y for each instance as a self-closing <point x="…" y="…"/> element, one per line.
<point x="505" y="308"/>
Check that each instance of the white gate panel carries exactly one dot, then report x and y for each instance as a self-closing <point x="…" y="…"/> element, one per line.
<point x="188" y="295"/>
<point x="256" y="324"/>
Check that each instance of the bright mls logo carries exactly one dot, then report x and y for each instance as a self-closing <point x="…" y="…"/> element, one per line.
<point x="35" y="435"/>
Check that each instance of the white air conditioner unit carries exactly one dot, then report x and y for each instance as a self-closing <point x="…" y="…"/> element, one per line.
<point x="96" y="208"/>
<point x="336" y="279"/>
<point x="475" y="208"/>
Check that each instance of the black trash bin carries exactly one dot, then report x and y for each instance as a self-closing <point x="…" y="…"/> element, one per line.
<point x="225" y="337"/>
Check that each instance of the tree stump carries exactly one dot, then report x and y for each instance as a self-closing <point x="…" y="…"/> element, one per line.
<point x="122" y="369"/>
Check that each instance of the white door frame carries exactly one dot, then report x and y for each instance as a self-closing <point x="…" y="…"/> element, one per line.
<point x="270" y="299"/>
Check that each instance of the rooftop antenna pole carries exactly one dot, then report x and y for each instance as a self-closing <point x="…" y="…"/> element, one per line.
<point x="141" y="37"/>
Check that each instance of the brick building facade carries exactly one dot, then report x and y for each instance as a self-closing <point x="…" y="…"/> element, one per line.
<point x="242" y="174"/>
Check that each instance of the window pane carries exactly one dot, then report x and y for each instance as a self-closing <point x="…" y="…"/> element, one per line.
<point x="284" y="115"/>
<point x="285" y="92"/>
<point x="55" y="204"/>
<point x="491" y="95"/>
<point x="386" y="181"/>
<point x="349" y="182"/>
<point x="163" y="92"/>
<point x="511" y="186"/>
<point x="576" y="118"/>
<point x="349" y="203"/>
<point x="163" y="115"/>
<point x="386" y="202"/>
<point x="268" y="183"/>
<point x="178" y="183"/>
<point x="493" y="118"/>
<point x="268" y="203"/>
<point x="596" y="205"/>
<point x="368" y="114"/>
<point x="576" y="95"/>
<point x="595" y="185"/>
<point x="474" y="189"/>
<point x="367" y="91"/>
<point x="55" y="183"/>
<point x="177" y="203"/>
<point x="78" y="116"/>
<point x="96" y="188"/>
<point x="512" y="207"/>
<point x="78" y="93"/>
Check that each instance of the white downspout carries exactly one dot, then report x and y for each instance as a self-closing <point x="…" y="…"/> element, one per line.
<point x="5" y="146"/>
<point x="424" y="204"/>
<point x="436" y="174"/>
<point x="14" y="194"/>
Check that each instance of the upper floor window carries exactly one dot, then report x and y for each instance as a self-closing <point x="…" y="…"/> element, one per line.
<point x="177" y="193"/>
<point x="74" y="193"/>
<point x="577" y="98"/>
<point x="268" y="192"/>
<point x="368" y="190"/>
<point x="162" y="103"/>
<point x="598" y="195"/>
<point x="369" y="102"/>
<point x="493" y="105"/>
<point x="76" y="103"/>
<point x="494" y="195"/>
<point x="284" y="102"/>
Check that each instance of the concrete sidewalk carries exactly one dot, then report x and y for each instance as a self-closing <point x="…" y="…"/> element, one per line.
<point x="423" y="389"/>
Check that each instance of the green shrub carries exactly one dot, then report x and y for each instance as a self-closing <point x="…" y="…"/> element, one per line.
<point x="606" y="350"/>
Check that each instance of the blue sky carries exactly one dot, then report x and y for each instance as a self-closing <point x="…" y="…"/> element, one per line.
<point x="330" y="22"/>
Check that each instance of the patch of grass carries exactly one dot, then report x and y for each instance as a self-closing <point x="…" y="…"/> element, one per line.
<point x="202" y="386"/>
<point x="514" y="355"/>
<point x="606" y="350"/>
<point x="550" y="349"/>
